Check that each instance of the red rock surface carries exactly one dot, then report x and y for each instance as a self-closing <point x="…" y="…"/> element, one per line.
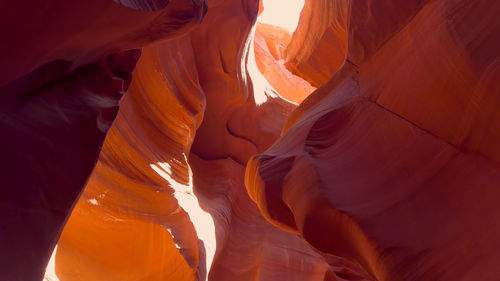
<point x="128" y="213"/>
<point x="54" y="123"/>
<point x="388" y="171"/>
<point x="391" y="167"/>
<point x="82" y="31"/>
<point x="149" y="179"/>
<point x="270" y="44"/>
<point x="318" y="46"/>
<point x="63" y="73"/>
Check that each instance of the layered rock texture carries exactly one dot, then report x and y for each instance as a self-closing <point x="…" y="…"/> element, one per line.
<point x="391" y="168"/>
<point x="179" y="140"/>
<point x="64" y="67"/>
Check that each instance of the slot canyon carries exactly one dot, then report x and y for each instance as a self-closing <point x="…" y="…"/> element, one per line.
<point x="189" y="140"/>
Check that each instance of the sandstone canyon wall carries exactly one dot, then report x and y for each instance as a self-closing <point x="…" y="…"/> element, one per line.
<point x="133" y="208"/>
<point x="391" y="169"/>
<point x="151" y="178"/>
<point x="210" y="171"/>
<point x="63" y="71"/>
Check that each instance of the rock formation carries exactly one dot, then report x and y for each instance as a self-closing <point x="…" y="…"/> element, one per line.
<point x="270" y="44"/>
<point x="63" y="72"/>
<point x="318" y="47"/>
<point x="208" y="169"/>
<point x="133" y="208"/>
<point x="390" y="169"/>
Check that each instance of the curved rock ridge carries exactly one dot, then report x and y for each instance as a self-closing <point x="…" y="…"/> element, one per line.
<point x="243" y="116"/>
<point x="248" y="247"/>
<point x="149" y="183"/>
<point x="54" y="123"/>
<point x="60" y="96"/>
<point x="83" y="31"/>
<point x="318" y="46"/>
<point x="391" y="168"/>
<point x="130" y="223"/>
<point x="270" y="43"/>
<point x="243" y="112"/>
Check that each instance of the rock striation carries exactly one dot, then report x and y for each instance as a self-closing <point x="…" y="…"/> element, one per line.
<point x="270" y="43"/>
<point x="162" y="160"/>
<point x="63" y="73"/>
<point x="179" y="140"/>
<point x="128" y="224"/>
<point x="390" y="168"/>
<point x="318" y="46"/>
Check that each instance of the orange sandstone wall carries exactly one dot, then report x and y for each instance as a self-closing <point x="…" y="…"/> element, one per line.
<point x="243" y="116"/>
<point x="128" y="224"/>
<point x="64" y="67"/>
<point x="83" y="31"/>
<point x="318" y="46"/>
<point x="270" y="43"/>
<point x="151" y="178"/>
<point x="390" y="169"/>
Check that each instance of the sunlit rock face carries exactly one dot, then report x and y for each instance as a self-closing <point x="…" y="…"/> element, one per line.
<point x="391" y="168"/>
<point x="128" y="224"/>
<point x="318" y="46"/>
<point x="243" y="116"/>
<point x="208" y="169"/>
<point x="65" y="65"/>
<point x="270" y="45"/>
<point x="166" y="200"/>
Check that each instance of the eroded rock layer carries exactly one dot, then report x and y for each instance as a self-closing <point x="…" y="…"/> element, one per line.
<point x="207" y="170"/>
<point x="390" y="169"/>
<point x="270" y="43"/>
<point x="128" y="224"/>
<point x="64" y="68"/>
<point x="318" y="46"/>
<point x="150" y="182"/>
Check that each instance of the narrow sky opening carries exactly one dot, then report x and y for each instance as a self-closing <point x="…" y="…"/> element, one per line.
<point x="283" y="13"/>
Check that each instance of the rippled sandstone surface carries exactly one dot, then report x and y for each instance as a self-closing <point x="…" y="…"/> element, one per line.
<point x="391" y="168"/>
<point x="166" y="138"/>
